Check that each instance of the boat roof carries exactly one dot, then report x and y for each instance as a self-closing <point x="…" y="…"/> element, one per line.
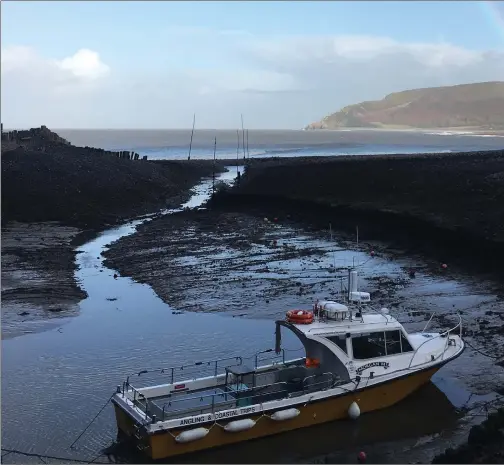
<point x="368" y="322"/>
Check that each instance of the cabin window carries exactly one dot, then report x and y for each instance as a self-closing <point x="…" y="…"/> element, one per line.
<point x="393" y="342"/>
<point x="380" y="344"/>
<point x="369" y="345"/>
<point x="406" y="346"/>
<point x="340" y="341"/>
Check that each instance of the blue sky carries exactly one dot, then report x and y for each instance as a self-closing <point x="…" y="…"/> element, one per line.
<point x="284" y="64"/>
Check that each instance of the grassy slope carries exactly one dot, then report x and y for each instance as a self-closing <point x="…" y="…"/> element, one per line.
<point x="467" y="105"/>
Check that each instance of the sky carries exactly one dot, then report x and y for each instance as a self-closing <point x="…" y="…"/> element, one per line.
<point x="283" y="65"/>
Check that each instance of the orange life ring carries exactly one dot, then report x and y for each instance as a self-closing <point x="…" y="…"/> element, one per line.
<point x="300" y="316"/>
<point x="312" y="362"/>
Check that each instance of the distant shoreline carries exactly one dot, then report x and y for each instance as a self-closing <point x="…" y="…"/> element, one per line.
<point x="454" y="130"/>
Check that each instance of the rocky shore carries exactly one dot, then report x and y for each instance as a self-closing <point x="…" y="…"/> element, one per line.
<point x="80" y="189"/>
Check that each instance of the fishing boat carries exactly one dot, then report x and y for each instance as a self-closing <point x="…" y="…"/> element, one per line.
<point x="356" y="360"/>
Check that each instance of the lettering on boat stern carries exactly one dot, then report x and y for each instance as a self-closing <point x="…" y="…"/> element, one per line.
<point x="217" y="416"/>
<point x="370" y="365"/>
<point x="195" y="420"/>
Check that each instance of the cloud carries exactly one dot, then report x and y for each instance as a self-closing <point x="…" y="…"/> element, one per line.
<point x="331" y="72"/>
<point x="294" y="51"/>
<point x="39" y="90"/>
<point x="84" y="64"/>
<point x="275" y="81"/>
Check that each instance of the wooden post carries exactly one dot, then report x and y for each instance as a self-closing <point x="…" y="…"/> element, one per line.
<point x="192" y="133"/>
<point x="237" y="150"/>
<point x="213" y="171"/>
<point x="243" y="137"/>
<point x="248" y="153"/>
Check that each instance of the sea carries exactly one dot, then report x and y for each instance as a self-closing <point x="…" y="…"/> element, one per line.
<point x="228" y="144"/>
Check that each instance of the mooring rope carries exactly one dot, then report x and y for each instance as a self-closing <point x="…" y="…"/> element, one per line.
<point x="92" y="421"/>
<point x="494" y="357"/>
<point x="54" y="457"/>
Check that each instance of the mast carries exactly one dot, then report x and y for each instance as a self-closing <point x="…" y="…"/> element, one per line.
<point x="243" y="136"/>
<point x="213" y="170"/>
<point x="248" y="153"/>
<point x="237" y="150"/>
<point x="192" y="133"/>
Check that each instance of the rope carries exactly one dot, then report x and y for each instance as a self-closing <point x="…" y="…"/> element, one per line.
<point x="494" y="357"/>
<point x="42" y="456"/>
<point x="91" y="422"/>
<point x="486" y="405"/>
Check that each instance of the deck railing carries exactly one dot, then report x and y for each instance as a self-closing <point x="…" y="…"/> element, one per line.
<point x="196" y="370"/>
<point x="272" y="359"/>
<point x="230" y="401"/>
<point x="190" y="371"/>
<point x="445" y="334"/>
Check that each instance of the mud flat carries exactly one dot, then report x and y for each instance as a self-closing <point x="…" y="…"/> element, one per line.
<point x="38" y="284"/>
<point x="452" y="200"/>
<point x="485" y="443"/>
<point x="53" y="202"/>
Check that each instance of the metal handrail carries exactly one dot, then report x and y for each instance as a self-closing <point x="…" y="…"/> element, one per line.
<point x="321" y="374"/>
<point x="223" y="394"/>
<point x="197" y="367"/>
<point x="212" y="406"/>
<point x="172" y="370"/>
<point x="445" y="333"/>
<point x="388" y="318"/>
<point x="428" y="322"/>
<point x="257" y="359"/>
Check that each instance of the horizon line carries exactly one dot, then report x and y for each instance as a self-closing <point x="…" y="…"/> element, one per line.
<point x="25" y="128"/>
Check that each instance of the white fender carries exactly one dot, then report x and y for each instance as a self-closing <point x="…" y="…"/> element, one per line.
<point x="354" y="411"/>
<point x="192" y="435"/>
<point x="287" y="414"/>
<point x="239" y="425"/>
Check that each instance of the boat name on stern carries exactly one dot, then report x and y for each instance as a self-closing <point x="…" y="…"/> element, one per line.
<point x="370" y="365"/>
<point x="217" y="416"/>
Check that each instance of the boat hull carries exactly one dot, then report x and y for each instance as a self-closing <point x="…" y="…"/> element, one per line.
<point x="162" y="444"/>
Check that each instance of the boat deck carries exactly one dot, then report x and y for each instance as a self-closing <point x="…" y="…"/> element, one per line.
<point x="208" y="400"/>
<point x="192" y="402"/>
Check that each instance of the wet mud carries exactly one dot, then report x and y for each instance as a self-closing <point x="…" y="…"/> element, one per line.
<point x="485" y="443"/>
<point x="38" y="282"/>
<point x="447" y="198"/>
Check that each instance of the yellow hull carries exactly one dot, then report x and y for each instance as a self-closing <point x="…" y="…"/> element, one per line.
<point x="163" y="445"/>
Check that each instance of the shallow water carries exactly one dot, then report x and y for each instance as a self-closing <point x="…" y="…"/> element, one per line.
<point x="174" y="144"/>
<point x="54" y="382"/>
